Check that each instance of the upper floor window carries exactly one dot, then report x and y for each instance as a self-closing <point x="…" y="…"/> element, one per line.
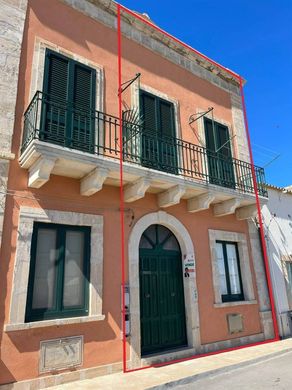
<point x="159" y="146"/>
<point x="219" y="154"/>
<point x="229" y="271"/>
<point x="59" y="272"/>
<point x="68" y="116"/>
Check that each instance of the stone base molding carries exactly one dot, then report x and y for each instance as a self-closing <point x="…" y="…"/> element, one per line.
<point x="236" y="342"/>
<point x="65" y="377"/>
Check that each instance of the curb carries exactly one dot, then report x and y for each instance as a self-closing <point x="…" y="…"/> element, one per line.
<point x="193" y="378"/>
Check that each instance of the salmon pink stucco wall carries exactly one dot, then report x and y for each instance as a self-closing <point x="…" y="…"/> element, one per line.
<point x="59" y="24"/>
<point x="20" y="350"/>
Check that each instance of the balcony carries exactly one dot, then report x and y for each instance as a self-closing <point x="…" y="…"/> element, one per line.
<point x="64" y="139"/>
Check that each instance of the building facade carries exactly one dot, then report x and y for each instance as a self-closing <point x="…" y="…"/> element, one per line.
<point x="194" y="271"/>
<point x="278" y="229"/>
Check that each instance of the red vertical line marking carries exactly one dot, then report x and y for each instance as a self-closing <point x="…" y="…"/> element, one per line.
<point x="262" y="233"/>
<point x="276" y="338"/>
<point x="122" y="216"/>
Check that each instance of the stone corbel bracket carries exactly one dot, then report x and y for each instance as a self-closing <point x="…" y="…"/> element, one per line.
<point x="227" y="207"/>
<point x="200" y="202"/>
<point x="39" y="173"/>
<point x="93" y="182"/>
<point x="136" y="190"/>
<point x="171" y="197"/>
<point x="246" y="212"/>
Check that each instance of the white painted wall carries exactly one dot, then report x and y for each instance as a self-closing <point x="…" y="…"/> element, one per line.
<point x="277" y="218"/>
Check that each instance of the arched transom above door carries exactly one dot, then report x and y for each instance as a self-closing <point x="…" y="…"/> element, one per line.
<point x="159" y="237"/>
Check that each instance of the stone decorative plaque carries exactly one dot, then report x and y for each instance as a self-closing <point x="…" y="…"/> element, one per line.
<point x="62" y="353"/>
<point x="235" y="323"/>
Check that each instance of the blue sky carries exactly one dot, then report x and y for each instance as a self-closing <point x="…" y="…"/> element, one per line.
<point x="253" y="38"/>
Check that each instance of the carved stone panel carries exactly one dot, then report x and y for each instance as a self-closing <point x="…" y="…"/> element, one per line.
<point x="62" y="353"/>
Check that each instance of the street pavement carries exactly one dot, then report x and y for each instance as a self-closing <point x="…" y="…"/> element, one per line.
<point x="259" y="363"/>
<point x="272" y="373"/>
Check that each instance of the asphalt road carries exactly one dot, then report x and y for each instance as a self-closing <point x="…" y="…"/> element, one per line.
<point x="273" y="373"/>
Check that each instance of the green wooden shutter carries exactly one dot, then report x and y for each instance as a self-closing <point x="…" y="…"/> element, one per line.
<point x="150" y="149"/>
<point x="158" y="142"/>
<point x="83" y="108"/>
<point x="223" y="138"/>
<point x="166" y="119"/>
<point x="168" y="154"/>
<point x="69" y="102"/>
<point x="54" y="101"/>
<point x="210" y="136"/>
<point x="149" y="115"/>
<point x="219" y="154"/>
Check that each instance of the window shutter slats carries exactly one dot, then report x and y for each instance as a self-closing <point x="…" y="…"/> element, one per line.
<point x="58" y="77"/>
<point x="57" y="74"/>
<point x="69" y="103"/>
<point x="82" y="87"/>
<point x="149" y="113"/>
<point x="166" y="119"/>
<point x="210" y="139"/>
<point x="159" y="144"/>
<point x="83" y="118"/>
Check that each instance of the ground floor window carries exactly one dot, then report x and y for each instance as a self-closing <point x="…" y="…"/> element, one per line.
<point x="229" y="271"/>
<point x="59" y="272"/>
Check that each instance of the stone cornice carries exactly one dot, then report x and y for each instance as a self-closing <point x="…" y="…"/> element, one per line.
<point x="105" y="11"/>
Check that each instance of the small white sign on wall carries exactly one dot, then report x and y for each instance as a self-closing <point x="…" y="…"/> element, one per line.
<point x="189" y="264"/>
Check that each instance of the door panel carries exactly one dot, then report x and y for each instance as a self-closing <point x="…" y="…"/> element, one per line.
<point x="162" y="308"/>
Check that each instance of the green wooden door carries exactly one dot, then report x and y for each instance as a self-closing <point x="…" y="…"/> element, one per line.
<point x="219" y="155"/>
<point x="158" y="146"/>
<point x="162" y="308"/>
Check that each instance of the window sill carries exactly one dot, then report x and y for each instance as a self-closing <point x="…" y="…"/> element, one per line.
<point x="237" y="303"/>
<point x="57" y="322"/>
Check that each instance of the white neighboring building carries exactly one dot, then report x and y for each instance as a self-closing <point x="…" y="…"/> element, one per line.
<point x="277" y="218"/>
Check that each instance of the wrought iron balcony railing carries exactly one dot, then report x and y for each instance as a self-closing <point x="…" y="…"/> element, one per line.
<point x="64" y="123"/>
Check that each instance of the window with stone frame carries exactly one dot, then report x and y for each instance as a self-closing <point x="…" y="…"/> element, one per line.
<point x="229" y="271"/>
<point x="59" y="272"/>
<point x="231" y="268"/>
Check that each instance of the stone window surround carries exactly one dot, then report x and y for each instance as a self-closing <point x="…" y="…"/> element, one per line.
<point x="38" y="69"/>
<point x="135" y="100"/>
<point x="201" y="127"/>
<point x="190" y="288"/>
<point x="27" y="217"/>
<point x="244" y="260"/>
<point x="201" y="132"/>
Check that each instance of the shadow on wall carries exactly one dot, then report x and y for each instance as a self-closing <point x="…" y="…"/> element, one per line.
<point x="5" y="375"/>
